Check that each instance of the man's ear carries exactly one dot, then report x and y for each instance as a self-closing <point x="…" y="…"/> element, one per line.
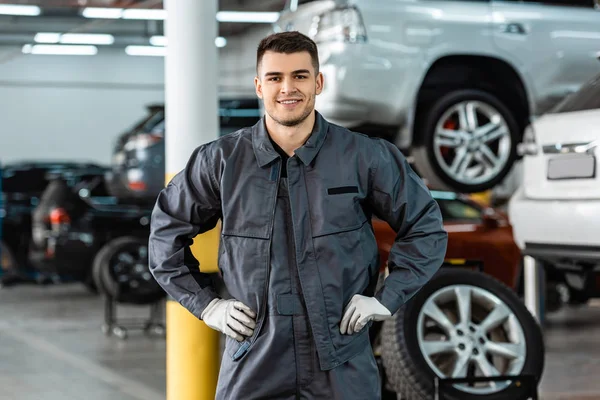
<point x="258" y="87"/>
<point x="320" y="82"/>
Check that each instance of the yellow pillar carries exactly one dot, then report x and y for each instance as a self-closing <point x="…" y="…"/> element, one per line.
<point x="191" y="103"/>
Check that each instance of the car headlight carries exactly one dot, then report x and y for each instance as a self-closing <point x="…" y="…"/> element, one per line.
<point x="343" y="24"/>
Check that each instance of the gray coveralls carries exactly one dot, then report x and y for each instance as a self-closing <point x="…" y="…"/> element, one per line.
<point x="283" y="363"/>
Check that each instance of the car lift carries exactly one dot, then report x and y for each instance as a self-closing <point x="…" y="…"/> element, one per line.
<point x="119" y="328"/>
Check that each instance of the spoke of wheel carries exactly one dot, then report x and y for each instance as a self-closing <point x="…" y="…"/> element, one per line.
<point x="489" y="154"/>
<point x="506" y="350"/>
<point x="472" y="122"/>
<point x="447" y="138"/>
<point x="487" y="368"/>
<point x="462" y="117"/>
<point x="464" y="165"/>
<point x="495" y="134"/>
<point x="434" y="312"/>
<point x="448" y="134"/>
<point x="438" y="346"/>
<point x="495" y="318"/>
<point x="463" y="299"/>
<point x="441" y="142"/>
<point x="460" y="368"/>
<point x="460" y="156"/>
<point x="126" y="257"/>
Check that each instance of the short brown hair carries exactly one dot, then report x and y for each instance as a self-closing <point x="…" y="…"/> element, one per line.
<point x="288" y="43"/>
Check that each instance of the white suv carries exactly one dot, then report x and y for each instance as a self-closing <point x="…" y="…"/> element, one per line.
<point x="453" y="82"/>
<point x="555" y="213"/>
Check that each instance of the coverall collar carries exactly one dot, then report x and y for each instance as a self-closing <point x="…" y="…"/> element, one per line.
<point x="265" y="153"/>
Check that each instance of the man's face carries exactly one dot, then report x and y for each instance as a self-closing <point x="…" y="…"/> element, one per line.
<point x="288" y="86"/>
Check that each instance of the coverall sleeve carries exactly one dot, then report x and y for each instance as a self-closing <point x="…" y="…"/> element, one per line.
<point x="187" y="206"/>
<point x="399" y="197"/>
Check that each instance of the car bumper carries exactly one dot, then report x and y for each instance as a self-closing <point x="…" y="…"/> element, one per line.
<point x="556" y="228"/>
<point x="69" y="256"/>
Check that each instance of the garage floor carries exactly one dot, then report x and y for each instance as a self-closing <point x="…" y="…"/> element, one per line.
<point x="51" y="348"/>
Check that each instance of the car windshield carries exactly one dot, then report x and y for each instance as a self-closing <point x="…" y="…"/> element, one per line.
<point x="586" y="98"/>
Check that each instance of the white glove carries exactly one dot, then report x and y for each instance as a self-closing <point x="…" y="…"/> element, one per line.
<point x="231" y="317"/>
<point x="359" y="311"/>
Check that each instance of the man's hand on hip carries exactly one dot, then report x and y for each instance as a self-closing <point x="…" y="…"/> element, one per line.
<point x="359" y="311"/>
<point x="231" y="317"/>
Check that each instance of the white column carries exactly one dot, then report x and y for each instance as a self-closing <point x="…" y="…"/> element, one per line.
<point x="191" y="120"/>
<point x="191" y="79"/>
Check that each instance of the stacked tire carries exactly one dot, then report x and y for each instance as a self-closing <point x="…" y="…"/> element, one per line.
<point x="462" y="324"/>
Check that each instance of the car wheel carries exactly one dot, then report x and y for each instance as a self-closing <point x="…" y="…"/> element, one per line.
<point x="461" y="324"/>
<point x="121" y="271"/>
<point x="466" y="141"/>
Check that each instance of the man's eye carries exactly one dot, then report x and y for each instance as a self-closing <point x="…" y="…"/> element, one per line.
<point x="301" y="76"/>
<point x="274" y="79"/>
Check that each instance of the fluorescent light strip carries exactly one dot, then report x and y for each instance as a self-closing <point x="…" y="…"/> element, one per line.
<point x="102" y="13"/>
<point x="63" y="50"/>
<point x="249" y="17"/>
<point x="74" y="38"/>
<point x="161" y="14"/>
<point x="152" y="51"/>
<point x="47" y="37"/>
<point x="145" y="14"/>
<point x="162" y="41"/>
<point x="158" y="40"/>
<point x="87" y="38"/>
<point x="14" y="9"/>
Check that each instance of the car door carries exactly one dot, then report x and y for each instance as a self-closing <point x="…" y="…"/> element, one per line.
<point x="555" y="44"/>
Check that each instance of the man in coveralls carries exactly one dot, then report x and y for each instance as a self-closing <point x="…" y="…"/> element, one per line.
<point x="295" y="195"/>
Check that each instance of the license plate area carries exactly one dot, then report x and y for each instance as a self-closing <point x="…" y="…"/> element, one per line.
<point x="576" y="166"/>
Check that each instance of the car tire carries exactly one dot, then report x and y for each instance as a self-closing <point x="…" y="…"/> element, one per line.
<point x="410" y="371"/>
<point x="123" y="279"/>
<point x="434" y="164"/>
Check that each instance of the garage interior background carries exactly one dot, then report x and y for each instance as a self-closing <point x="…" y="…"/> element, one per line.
<point x="51" y="105"/>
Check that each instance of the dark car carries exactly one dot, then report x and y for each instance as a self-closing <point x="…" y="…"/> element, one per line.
<point x="22" y="185"/>
<point x="138" y="162"/>
<point x="73" y="223"/>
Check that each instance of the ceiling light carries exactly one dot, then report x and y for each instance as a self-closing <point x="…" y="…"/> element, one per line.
<point x="247" y="16"/>
<point x="97" y="12"/>
<point x="13" y="9"/>
<point x="87" y="38"/>
<point x="158" y="40"/>
<point x="74" y="38"/>
<point x="162" y="41"/>
<point x="47" y="37"/>
<point x="220" y="41"/>
<point x="148" y="14"/>
<point x="146" y="51"/>
<point x="49" y="49"/>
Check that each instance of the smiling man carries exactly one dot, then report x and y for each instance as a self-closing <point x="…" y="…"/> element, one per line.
<point x="298" y="256"/>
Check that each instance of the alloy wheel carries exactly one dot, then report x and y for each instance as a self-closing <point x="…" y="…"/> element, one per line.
<point x="472" y="142"/>
<point x="465" y="331"/>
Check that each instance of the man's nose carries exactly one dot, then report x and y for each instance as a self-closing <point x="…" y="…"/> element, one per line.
<point x="288" y="86"/>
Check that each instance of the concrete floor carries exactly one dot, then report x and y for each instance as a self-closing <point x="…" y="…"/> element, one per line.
<point x="51" y="348"/>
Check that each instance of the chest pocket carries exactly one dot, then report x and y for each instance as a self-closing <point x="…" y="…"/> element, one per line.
<point x="337" y="210"/>
<point x="248" y="208"/>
